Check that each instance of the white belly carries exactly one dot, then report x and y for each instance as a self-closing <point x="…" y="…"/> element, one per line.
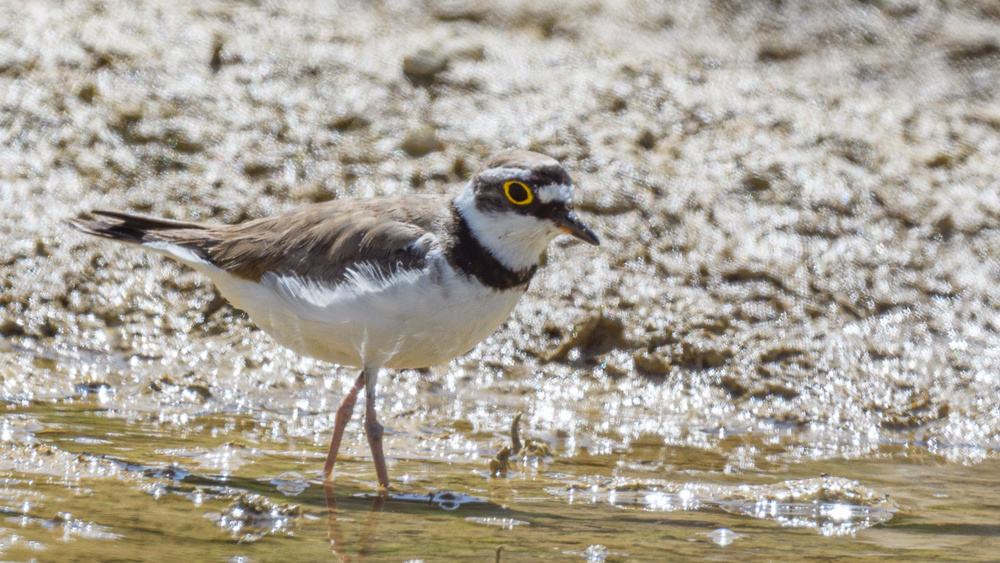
<point x="411" y="320"/>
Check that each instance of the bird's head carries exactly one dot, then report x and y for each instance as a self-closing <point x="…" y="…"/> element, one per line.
<point x="517" y="203"/>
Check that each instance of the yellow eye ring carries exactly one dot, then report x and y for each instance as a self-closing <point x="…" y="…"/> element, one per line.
<point x="525" y="198"/>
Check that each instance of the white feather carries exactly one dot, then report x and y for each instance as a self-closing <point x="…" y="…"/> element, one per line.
<point x="412" y="319"/>
<point x="516" y="240"/>
<point x="562" y="193"/>
<point x="494" y="175"/>
<point x="177" y="252"/>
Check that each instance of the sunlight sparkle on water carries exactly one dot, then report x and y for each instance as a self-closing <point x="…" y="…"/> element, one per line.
<point x="723" y="536"/>
<point x="505" y="523"/>
<point x="838" y="512"/>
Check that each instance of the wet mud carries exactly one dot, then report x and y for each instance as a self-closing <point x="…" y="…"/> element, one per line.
<point x="793" y="314"/>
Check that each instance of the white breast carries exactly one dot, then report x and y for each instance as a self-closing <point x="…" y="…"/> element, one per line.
<point x="410" y="320"/>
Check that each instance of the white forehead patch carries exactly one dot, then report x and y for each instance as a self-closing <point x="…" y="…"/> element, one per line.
<point x="562" y="193"/>
<point x="492" y="175"/>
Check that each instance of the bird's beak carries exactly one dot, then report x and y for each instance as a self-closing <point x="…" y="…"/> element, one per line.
<point x="571" y="224"/>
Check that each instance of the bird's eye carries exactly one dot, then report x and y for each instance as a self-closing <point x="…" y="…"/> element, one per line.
<point x="518" y="193"/>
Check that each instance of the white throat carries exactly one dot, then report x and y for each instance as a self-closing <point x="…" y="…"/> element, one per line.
<point x="516" y="240"/>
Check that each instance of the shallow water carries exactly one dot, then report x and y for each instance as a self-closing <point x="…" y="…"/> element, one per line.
<point x="82" y="483"/>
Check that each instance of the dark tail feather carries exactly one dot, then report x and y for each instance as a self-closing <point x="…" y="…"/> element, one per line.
<point x="126" y="227"/>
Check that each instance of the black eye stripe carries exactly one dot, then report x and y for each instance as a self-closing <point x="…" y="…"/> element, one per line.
<point x="499" y="195"/>
<point x="550" y="210"/>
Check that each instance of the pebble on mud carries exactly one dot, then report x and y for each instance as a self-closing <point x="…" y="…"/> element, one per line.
<point x="422" y="67"/>
<point x="646" y="140"/>
<point x="778" y="52"/>
<point x="347" y="121"/>
<point x="455" y="10"/>
<point x="420" y="141"/>
<point x="87" y="92"/>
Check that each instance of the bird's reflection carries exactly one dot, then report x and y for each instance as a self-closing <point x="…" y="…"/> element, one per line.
<point x="367" y="539"/>
<point x="367" y="543"/>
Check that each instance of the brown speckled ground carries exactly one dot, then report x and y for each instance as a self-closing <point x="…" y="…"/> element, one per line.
<point x="799" y="202"/>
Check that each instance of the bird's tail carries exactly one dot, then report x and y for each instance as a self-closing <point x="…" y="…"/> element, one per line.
<point x="190" y="243"/>
<point x="134" y="229"/>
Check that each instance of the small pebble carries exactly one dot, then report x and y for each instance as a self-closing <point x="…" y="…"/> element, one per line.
<point x="421" y="140"/>
<point x="423" y="66"/>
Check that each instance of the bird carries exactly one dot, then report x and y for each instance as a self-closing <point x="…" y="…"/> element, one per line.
<point x="398" y="282"/>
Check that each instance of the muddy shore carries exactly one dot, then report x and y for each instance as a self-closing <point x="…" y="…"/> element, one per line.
<point x="799" y="203"/>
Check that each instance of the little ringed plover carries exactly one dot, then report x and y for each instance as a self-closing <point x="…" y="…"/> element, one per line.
<point x="397" y="282"/>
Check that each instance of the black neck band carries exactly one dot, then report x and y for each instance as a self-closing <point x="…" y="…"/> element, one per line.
<point x="469" y="256"/>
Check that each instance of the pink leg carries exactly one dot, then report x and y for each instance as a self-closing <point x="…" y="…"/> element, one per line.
<point x="374" y="430"/>
<point x="340" y="422"/>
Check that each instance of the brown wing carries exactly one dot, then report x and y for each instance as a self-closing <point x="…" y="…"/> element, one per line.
<point x="320" y="242"/>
